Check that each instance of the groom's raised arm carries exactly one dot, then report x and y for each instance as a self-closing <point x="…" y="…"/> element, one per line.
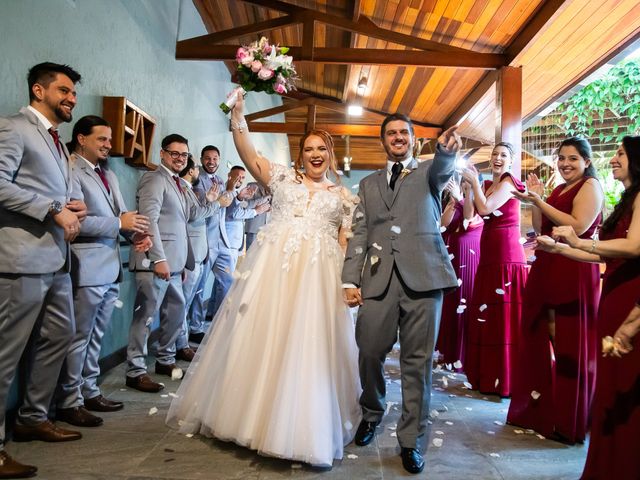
<point x="444" y="160"/>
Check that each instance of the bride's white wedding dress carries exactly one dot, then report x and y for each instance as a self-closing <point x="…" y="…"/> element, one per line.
<point x="278" y="371"/>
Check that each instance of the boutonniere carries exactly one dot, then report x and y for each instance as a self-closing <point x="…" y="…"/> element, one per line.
<point x="405" y="172"/>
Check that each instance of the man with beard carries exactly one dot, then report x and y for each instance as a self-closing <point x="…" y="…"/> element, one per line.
<point x="197" y="231"/>
<point x="38" y="219"/>
<point x="210" y="161"/>
<point x="396" y="227"/>
<point x="96" y="270"/>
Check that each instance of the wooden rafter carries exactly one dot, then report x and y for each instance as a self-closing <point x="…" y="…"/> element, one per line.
<point x="299" y="128"/>
<point x="429" y="53"/>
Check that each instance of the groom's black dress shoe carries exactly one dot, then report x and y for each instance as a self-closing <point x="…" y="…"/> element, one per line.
<point x="412" y="461"/>
<point x="365" y="433"/>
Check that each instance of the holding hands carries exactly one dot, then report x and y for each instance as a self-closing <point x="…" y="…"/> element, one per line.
<point x="134" y="222"/>
<point x="141" y="242"/>
<point x="78" y="207"/>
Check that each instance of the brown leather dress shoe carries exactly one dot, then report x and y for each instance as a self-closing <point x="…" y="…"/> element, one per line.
<point x="144" y="383"/>
<point x="9" y="468"/>
<point x="101" y="404"/>
<point x="78" y="416"/>
<point x="169" y="370"/>
<point x="185" y="354"/>
<point x="46" y="431"/>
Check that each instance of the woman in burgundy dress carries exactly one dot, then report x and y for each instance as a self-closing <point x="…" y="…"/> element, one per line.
<point x="555" y="370"/>
<point x="615" y="414"/>
<point x="495" y="311"/>
<point x="462" y="237"/>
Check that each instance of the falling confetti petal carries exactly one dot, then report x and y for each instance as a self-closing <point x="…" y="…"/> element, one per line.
<point x="146" y="263"/>
<point x="439" y="432"/>
<point x="457" y="364"/>
<point x="483" y="307"/>
<point x="497" y="213"/>
<point x="463" y="300"/>
<point x="393" y="427"/>
<point x="358" y="250"/>
<point x="518" y="432"/>
<point x="522" y="241"/>
<point x="359" y="215"/>
<point x="189" y="435"/>
<point x="448" y="423"/>
<point x="459" y="282"/>
<point x="376" y="246"/>
<point x="498" y="422"/>
<point x="393" y="434"/>
<point x="468" y="386"/>
<point x="532" y="258"/>
<point x="495" y="455"/>
<point x="472" y="251"/>
<point x="507" y="284"/>
<point x="460" y="309"/>
<point x="535" y="395"/>
<point x="153" y="411"/>
<point x="468" y="408"/>
<point x="199" y="292"/>
<point x="487" y="217"/>
<point x="496" y="383"/>
<point x="465" y="223"/>
<point x="374" y="259"/>
<point x="481" y="320"/>
<point x="348" y="425"/>
<point x="434" y="413"/>
<point x="171" y="394"/>
<point x="149" y="321"/>
<point x="437" y="442"/>
<point x="355" y="187"/>
<point x="499" y="291"/>
<point x="137" y="308"/>
<point x="118" y="303"/>
<point x="352" y="456"/>
<point x="443" y="229"/>
<point x="396" y="229"/>
<point x="164" y="395"/>
<point x="176" y="374"/>
<point x="541" y="437"/>
<point x="449" y="366"/>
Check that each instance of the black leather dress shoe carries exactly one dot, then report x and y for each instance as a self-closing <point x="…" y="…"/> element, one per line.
<point x="101" y="404"/>
<point x="196" y="337"/>
<point x="412" y="460"/>
<point x="78" y="416"/>
<point x="365" y="433"/>
<point x="9" y="468"/>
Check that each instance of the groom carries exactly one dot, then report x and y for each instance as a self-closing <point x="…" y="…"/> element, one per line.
<point x="397" y="268"/>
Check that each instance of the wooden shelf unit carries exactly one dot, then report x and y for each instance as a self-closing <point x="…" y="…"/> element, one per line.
<point x="132" y="131"/>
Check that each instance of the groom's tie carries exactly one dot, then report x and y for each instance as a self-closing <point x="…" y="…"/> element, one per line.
<point x="395" y="173"/>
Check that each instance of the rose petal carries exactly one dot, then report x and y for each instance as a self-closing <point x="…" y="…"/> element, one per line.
<point x="176" y="374"/>
<point x="496" y="383"/>
<point x="459" y="282"/>
<point x="495" y="455"/>
<point x="497" y="213"/>
<point x="145" y="263"/>
<point x="352" y="456"/>
<point x="118" y="303"/>
<point x="376" y="246"/>
<point x="451" y="256"/>
<point x="443" y="229"/>
<point x="465" y="224"/>
<point x="472" y="251"/>
<point x="481" y="320"/>
<point x="483" y="307"/>
<point x="358" y="250"/>
<point x="535" y="395"/>
<point x="374" y="260"/>
<point x="396" y="229"/>
<point x="507" y="284"/>
<point x="457" y="364"/>
<point x="522" y="240"/>
<point x="499" y="291"/>
<point x="437" y="442"/>
<point x="153" y="411"/>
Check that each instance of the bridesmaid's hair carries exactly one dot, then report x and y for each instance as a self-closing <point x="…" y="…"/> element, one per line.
<point x="328" y="142"/>
<point x="84" y="126"/>
<point x="510" y="148"/>
<point x="583" y="147"/>
<point x="632" y="149"/>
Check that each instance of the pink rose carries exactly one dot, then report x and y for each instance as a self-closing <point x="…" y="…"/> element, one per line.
<point x="256" y="66"/>
<point x="280" y="88"/>
<point x="265" y="74"/>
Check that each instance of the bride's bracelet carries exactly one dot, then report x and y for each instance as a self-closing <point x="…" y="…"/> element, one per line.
<point x="239" y="126"/>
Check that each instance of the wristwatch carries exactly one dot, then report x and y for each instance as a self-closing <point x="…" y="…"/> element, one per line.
<point x="55" y="208"/>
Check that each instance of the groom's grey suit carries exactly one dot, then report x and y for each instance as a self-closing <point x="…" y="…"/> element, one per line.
<point x="35" y="286"/>
<point x="403" y="289"/>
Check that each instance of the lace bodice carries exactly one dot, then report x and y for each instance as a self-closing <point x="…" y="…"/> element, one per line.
<point x="304" y="215"/>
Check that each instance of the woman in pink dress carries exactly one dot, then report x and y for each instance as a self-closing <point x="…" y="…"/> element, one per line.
<point x="495" y="311"/>
<point x="462" y="237"/>
<point x="555" y="370"/>
<point x="615" y="413"/>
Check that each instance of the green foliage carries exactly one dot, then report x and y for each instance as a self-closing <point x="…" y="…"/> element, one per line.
<point x="612" y="188"/>
<point x="618" y="92"/>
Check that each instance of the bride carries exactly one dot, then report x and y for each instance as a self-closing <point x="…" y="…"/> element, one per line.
<point x="278" y="371"/>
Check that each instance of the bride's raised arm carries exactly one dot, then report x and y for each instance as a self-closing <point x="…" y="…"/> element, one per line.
<point x="257" y="165"/>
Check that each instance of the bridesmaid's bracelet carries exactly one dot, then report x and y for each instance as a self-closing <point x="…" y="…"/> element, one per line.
<point x="593" y="245"/>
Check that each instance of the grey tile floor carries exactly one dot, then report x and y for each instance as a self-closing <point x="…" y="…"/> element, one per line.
<point x="475" y="444"/>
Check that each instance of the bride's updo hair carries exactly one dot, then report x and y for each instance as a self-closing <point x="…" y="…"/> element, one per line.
<point x="328" y="142"/>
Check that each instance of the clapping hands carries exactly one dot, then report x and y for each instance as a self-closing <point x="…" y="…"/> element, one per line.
<point x="535" y="190"/>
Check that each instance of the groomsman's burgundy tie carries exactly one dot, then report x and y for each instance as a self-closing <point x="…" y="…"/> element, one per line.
<point x="395" y="173"/>
<point x="176" y="179"/>
<point x="103" y="177"/>
<point x="56" y="139"/>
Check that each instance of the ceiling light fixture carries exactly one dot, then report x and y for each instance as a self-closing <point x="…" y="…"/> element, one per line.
<point x="362" y="85"/>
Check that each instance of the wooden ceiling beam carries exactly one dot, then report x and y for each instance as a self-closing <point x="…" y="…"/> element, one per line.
<point x="470" y="100"/>
<point x="355" y="9"/>
<point x="299" y="128"/>
<point x="352" y="56"/>
<point x="279" y="109"/>
<point x="266" y="25"/>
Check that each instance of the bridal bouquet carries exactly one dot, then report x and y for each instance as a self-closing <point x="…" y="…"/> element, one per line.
<point x="262" y="67"/>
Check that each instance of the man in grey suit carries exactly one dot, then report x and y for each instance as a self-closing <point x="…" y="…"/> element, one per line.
<point x="242" y="208"/>
<point x="96" y="270"/>
<point x="210" y="161"/>
<point x="397" y="268"/>
<point x="252" y="225"/>
<point x="197" y="230"/>
<point x="37" y="220"/>
<point x="159" y="272"/>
